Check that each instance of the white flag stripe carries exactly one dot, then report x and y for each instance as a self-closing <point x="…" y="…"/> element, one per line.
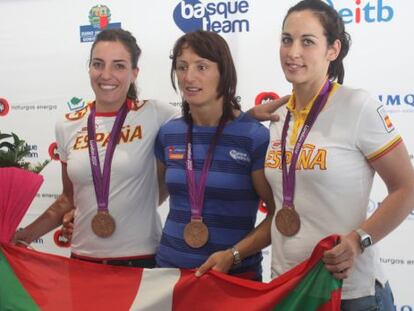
<point x="156" y="290"/>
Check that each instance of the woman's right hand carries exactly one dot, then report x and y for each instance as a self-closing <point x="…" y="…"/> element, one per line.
<point x="266" y="112"/>
<point x="22" y="238"/>
<point x="340" y="259"/>
<point x="221" y="261"/>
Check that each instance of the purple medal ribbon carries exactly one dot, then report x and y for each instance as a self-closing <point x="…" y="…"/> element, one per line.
<point x="289" y="178"/>
<point x="196" y="194"/>
<point x="101" y="180"/>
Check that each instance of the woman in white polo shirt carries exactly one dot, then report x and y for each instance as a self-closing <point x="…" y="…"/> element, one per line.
<point x="322" y="158"/>
<point x="111" y="182"/>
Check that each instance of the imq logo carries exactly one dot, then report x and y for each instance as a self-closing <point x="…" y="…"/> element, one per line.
<point x="363" y="11"/>
<point x="398" y="102"/>
<point x="217" y="16"/>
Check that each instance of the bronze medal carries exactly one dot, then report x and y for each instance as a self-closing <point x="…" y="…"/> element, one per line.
<point x="287" y="221"/>
<point x="103" y="224"/>
<point x="196" y="233"/>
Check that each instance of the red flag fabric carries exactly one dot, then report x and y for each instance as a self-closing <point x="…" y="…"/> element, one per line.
<point x="37" y="281"/>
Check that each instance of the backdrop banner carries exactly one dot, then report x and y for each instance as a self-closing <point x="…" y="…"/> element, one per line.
<point x="45" y="45"/>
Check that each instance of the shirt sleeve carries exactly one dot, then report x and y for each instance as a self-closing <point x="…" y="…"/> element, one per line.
<point x="376" y="134"/>
<point x="60" y="141"/>
<point x="165" y="112"/>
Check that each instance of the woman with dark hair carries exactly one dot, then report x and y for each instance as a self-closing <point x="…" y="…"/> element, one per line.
<point x="111" y="182"/>
<point x="322" y="158"/>
<point x="212" y="161"/>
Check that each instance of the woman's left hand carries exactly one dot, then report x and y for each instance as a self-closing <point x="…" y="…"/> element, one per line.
<point x="340" y="259"/>
<point x="220" y="261"/>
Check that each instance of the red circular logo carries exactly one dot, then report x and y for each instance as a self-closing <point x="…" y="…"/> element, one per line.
<point x="262" y="207"/>
<point x="4" y="107"/>
<point x="60" y="240"/>
<point x="264" y="97"/>
<point x="53" y="152"/>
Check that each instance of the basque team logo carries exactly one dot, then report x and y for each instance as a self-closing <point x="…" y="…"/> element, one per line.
<point x="4" y="107"/>
<point x="189" y="15"/>
<point x="216" y="16"/>
<point x="99" y="19"/>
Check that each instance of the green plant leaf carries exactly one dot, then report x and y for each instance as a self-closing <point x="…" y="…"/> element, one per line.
<point x="15" y="153"/>
<point x="3" y="136"/>
<point x="6" y="144"/>
<point x="39" y="167"/>
<point x="16" y="139"/>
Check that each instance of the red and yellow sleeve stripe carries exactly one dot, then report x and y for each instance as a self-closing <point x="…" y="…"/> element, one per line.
<point x="385" y="149"/>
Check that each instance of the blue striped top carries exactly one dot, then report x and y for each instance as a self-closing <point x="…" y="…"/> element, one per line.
<point x="230" y="202"/>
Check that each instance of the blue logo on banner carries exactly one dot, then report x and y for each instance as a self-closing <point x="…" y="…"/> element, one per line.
<point x="364" y="11"/>
<point x="217" y="16"/>
<point x="189" y="15"/>
<point x="398" y="102"/>
<point x="99" y="19"/>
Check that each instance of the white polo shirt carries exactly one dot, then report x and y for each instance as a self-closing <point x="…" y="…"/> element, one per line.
<point x="333" y="180"/>
<point x="133" y="192"/>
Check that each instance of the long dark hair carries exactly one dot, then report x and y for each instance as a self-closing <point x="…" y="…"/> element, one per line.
<point x="129" y="42"/>
<point x="213" y="47"/>
<point x="334" y="29"/>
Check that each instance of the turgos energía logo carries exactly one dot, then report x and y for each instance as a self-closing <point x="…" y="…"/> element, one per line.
<point x="99" y="19"/>
<point x="4" y="107"/>
<point x="217" y="16"/>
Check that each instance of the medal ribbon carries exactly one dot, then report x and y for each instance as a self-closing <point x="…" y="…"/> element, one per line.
<point x="196" y="194"/>
<point x="101" y="180"/>
<point x="289" y="178"/>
